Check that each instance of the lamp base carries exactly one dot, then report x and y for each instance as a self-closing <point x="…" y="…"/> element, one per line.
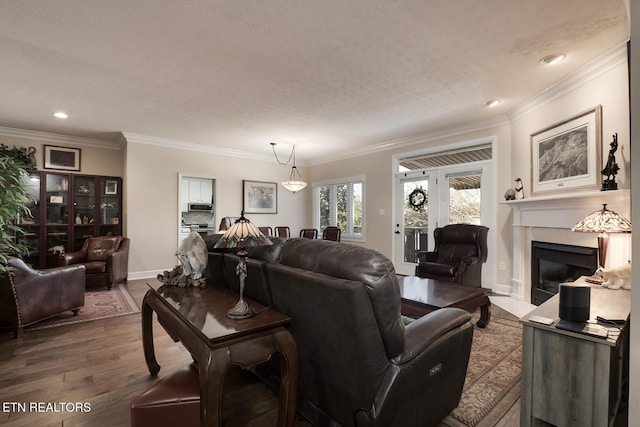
<point x="241" y="310"/>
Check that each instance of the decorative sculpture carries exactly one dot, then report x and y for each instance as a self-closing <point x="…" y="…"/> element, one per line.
<point x="516" y="192"/>
<point x="611" y="168"/>
<point x="193" y="258"/>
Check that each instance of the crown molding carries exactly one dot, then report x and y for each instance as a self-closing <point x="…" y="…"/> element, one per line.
<point x="590" y="71"/>
<point x="190" y="146"/>
<point x="58" y="138"/>
<point x="404" y="142"/>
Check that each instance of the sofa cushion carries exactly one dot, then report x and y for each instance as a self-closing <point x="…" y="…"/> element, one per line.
<point x="356" y="263"/>
<point x="96" y="267"/>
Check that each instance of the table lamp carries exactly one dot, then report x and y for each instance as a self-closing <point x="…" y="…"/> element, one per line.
<point x="603" y="221"/>
<point x="242" y="235"/>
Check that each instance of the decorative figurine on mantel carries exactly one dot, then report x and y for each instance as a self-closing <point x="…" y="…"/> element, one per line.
<point x="516" y="192"/>
<point x="611" y="168"/>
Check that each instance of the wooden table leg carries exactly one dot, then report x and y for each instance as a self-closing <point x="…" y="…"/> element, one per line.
<point x="212" y="367"/>
<point x="485" y="314"/>
<point x="286" y="345"/>
<point x="147" y="338"/>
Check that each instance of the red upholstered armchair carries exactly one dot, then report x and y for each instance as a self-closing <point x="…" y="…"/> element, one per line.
<point x="106" y="259"/>
<point x="460" y="251"/>
<point x="28" y="296"/>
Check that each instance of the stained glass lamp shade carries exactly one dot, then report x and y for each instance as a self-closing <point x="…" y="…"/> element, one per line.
<point x="603" y="221"/>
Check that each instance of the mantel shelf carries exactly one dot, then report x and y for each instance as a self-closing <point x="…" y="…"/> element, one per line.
<point x="593" y="198"/>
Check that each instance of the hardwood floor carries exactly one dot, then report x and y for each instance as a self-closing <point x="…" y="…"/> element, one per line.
<point x="101" y="363"/>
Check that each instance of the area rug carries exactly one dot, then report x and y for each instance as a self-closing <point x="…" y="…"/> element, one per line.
<point x="492" y="384"/>
<point x="98" y="304"/>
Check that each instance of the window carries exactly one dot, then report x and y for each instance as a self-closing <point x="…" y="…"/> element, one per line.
<point x="342" y="205"/>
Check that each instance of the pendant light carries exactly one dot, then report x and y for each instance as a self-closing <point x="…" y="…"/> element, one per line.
<point x="295" y="182"/>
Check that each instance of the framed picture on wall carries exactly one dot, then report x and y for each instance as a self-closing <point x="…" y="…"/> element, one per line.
<point x="259" y="197"/>
<point x="568" y="155"/>
<point x="61" y="158"/>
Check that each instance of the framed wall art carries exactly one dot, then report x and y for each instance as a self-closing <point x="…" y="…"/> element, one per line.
<point x="61" y="158"/>
<point x="259" y="197"/>
<point x="567" y="155"/>
<point x="111" y="186"/>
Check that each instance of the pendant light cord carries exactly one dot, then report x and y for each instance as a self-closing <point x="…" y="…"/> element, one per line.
<point x="291" y="156"/>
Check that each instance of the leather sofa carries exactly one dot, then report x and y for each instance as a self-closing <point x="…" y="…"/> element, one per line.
<point x="106" y="259"/>
<point x="28" y="296"/>
<point x="361" y="362"/>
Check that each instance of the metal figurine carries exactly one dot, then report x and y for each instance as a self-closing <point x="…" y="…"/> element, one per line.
<point x="611" y="168"/>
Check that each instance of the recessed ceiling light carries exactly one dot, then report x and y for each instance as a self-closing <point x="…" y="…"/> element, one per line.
<point x="492" y="103"/>
<point x="60" y="115"/>
<point x="553" y="59"/>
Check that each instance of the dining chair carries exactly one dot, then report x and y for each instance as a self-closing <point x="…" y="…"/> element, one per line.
<point x="309" y="233"/>
<point x="332" y="233"/>
<point x="283" y="231"/>
<point x="267" y="231"/>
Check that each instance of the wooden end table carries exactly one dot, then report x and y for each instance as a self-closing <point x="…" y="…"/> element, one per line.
<point x="421" y="296"/>
<point x="197" y="317"/>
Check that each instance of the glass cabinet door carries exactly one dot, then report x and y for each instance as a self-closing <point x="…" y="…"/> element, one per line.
<point x="84" y="209"/>
<point x="110" y="201"/>
<point x="57" y="215"/>
<point x="29" y="221"/>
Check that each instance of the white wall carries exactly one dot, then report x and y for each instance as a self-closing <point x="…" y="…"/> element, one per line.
<point x="151" y="198"/>
<point x="634" y="374"/>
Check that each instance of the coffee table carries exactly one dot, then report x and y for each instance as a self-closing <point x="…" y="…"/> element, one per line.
<point x="421" y="296"/>
<point x="197" y="317"/>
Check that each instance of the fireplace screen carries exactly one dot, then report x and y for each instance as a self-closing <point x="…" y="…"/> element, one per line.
<point x="553" y="264"/>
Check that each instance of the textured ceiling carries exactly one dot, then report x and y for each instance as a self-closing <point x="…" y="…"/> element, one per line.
<point x="330" y="76"/>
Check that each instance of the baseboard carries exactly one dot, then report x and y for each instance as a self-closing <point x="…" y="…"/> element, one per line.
<point x="137" y="275"/>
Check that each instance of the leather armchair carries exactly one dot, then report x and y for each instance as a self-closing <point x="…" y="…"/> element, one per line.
<point x="106" y="259"/>
<point x="28" y="296"/>
<point x="460" y="251"/>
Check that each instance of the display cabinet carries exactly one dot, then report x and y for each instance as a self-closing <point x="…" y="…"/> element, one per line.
<point x="73" y="208"/>
<point x="30" y="221"/>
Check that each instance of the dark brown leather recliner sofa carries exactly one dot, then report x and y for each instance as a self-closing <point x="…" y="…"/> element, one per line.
<point x="28" y="296"/>
<point x="360" y="362"/>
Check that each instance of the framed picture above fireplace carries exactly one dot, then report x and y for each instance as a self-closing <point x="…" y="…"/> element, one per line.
<point x="567" y="156"/>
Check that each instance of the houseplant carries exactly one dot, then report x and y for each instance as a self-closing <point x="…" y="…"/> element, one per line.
<point x="14" y="166"/>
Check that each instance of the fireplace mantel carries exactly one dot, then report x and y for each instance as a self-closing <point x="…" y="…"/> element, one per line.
<point x="557" y="211"/>
<point x="565" y="210"/>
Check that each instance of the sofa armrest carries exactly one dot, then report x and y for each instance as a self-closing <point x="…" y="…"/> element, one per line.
<point x="422" y="332"/>
<point x="43" y="293"/>
<point x="70" y="258"/>
<point x="429" y="374"/>
<point x="466" y="261"/>
<point x="427" y="256"/>
<point x="118" y="265"/>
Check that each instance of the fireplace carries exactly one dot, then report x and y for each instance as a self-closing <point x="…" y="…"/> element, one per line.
<point x="554" y="263"/>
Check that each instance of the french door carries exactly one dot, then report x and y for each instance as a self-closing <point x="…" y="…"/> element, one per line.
<point x="428" y="199"/>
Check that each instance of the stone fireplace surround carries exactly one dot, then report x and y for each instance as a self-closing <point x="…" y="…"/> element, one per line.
<point x="550" y="218"/>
